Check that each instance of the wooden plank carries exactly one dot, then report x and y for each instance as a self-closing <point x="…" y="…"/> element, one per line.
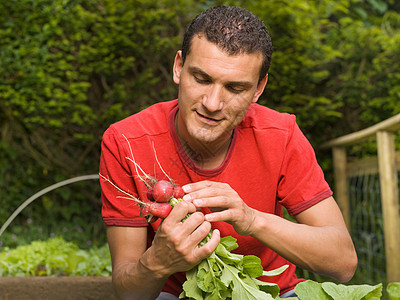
<point x="391" y="124"/>
<point x="341" y="187"/>
<point x="366" y="166"/>
<point x="390" y="203"/>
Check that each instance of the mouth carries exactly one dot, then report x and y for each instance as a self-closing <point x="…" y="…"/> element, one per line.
<point x="208" y="120"/>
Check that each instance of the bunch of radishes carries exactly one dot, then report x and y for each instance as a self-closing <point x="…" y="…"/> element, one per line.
<point x="162" y="196"/>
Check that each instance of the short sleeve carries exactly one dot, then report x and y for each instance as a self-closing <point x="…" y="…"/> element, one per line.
<point x="116" y="180"/>
<point x="302" y="183"/>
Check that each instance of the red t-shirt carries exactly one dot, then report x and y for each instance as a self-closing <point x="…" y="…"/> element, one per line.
<point x="270" y="164"/>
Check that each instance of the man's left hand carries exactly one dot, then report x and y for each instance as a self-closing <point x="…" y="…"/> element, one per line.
<point x="224" y="203"/>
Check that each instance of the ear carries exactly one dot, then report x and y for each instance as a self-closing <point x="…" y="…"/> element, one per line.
<point x="260" y="88"/>
<point x="177" y="68"/>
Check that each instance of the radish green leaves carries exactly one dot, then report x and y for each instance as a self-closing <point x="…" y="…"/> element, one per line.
<point x="227" y="275"/>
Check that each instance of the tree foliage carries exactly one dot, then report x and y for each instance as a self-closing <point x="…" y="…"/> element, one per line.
<point x="70" y="68"/>
<point x="334" y="64"/>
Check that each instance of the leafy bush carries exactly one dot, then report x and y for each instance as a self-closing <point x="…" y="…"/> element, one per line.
<point x="334" y="63"/>
<point x="55" y="257"/>
<point x="68" y="69"/>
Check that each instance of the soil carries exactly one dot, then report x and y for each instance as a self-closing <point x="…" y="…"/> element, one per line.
<point x="56" y="288"/>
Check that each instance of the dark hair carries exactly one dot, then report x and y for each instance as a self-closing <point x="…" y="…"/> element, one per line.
<point x="234" y="30"/>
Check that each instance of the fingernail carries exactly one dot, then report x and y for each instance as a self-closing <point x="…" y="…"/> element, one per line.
<point x="187" y="198"/>
<point x="186" y="188"/>
<point x="198" y="202"/>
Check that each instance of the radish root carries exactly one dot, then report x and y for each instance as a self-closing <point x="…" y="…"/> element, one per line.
<point x="162" y="170"/>
<point x="145" y="178"/>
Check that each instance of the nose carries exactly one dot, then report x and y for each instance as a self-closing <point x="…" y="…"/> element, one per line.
<point x="213" y="100"/>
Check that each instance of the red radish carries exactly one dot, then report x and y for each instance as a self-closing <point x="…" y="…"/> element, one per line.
<point x="163" y="191"/>
<point x="178" y="192"/>
<point x="160" y="210"/>
<point x="150" y="194"/>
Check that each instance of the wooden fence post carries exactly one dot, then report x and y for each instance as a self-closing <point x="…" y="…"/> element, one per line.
<point x="341" y="189"/>
<point x="390" y="203"/>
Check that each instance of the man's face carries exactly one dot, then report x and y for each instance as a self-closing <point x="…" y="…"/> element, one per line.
<point x="215" y="91"/>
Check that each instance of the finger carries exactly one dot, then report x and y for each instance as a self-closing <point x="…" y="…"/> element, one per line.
<point x="180" y="211"/>
<point x="200" y="232"/>
<point x="224" y="215"/>
<point x="192" y="223"/>
<point x="205" y="184"/>
<point x="207" y="191"/>
<point x="203" y="189"/>
<point x="210" y="246"/>
<point x="219" y="202"/>
<point x="195" y="186"/>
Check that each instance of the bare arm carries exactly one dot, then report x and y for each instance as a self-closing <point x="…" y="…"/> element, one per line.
<point x="140" y="273"/>
<point x="319" y="242"/>
<point x="127" y="246"/>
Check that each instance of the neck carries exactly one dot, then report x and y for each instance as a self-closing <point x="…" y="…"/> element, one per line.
<point x="205" y="156"/>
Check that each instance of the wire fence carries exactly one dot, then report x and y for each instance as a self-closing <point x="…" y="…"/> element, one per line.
<point x="367" y="228"/>
<point x="367" y="191"/>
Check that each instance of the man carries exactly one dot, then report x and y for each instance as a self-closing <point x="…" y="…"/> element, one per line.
<point x="237" y="161"/>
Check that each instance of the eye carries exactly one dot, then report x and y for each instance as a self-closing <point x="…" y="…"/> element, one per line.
<point x="201" y="80"/>
<point x="235" y="90"/>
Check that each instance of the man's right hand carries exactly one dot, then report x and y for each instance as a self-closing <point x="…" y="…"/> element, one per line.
<point x="175" y="245"/>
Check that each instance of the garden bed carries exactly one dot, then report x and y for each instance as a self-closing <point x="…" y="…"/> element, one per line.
<point x="60" y="288"/>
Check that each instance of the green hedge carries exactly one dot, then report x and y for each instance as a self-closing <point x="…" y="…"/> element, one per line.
<point x="68" y="69"/>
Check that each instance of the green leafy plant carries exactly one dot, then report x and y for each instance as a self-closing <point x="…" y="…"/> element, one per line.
<point x="226" y="275"/>
<point x="393" y="290"/>
<point x="310" y="290"/>
<point x="55" y="257"/>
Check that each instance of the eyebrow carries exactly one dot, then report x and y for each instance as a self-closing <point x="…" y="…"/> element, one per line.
<point x="207" y="76"/>
<point x="199" y="71"/>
